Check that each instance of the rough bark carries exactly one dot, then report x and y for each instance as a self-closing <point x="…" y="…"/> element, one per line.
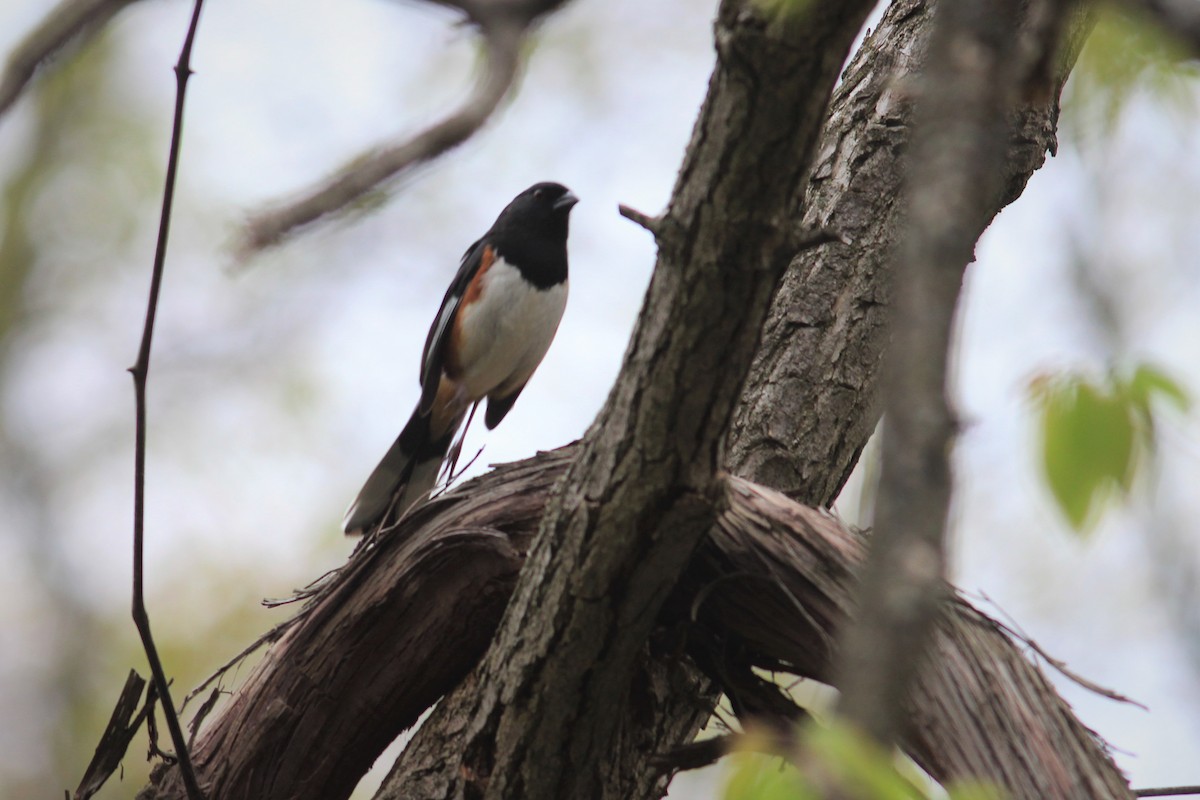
<point x="812" y="398"/>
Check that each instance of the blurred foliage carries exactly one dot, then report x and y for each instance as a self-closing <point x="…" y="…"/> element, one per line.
<point x="835" y="757"/>
<point x="74" y="205"/>
<point x="1127" y="53"/>
<point x="1095" y="435"/>
<point x="756" y="776"/>
<point x="66" y="101"/>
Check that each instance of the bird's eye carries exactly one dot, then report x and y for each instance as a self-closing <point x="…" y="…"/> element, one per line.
<point x="540" y="194"/>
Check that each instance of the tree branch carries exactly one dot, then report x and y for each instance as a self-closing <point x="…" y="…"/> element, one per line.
<point x="965" y="94"/>
<point x="140" y="372"/>
<point x="652" y="224"/>
<point x="1168" y="791"/>
<point x="503" y="27"/>
<point x="70" y="20"/>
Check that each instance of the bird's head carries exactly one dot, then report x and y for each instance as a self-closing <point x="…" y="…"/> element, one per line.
<point x="543" y="207"/>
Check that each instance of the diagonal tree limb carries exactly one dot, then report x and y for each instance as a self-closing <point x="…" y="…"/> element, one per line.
<point x="503" y="27"/>
<point x="69" y="21"/>
<point x="643" y="490"/>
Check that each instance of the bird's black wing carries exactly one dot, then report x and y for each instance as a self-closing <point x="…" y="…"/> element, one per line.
<point x="433" y="356"/>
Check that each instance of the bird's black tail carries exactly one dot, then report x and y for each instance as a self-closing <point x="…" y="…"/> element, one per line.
<point x="407" y="471"/>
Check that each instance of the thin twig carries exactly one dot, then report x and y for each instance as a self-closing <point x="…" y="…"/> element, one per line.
<point x="70" y="20"/>
<point x="694" y="755"/>
<point x="502" y="40"/>
<point x="312" y="589"/>
<point x="201" y="713"/>
<point x="1013" y="629"/>
<point x="1167" y="791"/>
<point x="269" y="637"/>
<point x="454" y="476"/>
<point x="140" y="371"/>
<point x="652" y="224"/>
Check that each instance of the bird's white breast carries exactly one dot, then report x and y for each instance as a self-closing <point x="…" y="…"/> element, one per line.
<point x="507" y="331"/>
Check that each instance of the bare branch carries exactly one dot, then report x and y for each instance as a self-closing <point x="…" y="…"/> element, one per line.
<point x="1168" y="791"/>
<point x="963" y="105"/>
<point x="503" y="36"/>
<point x="68" y="21"/>
<point x="140" y="372"/>
<point x="652" y="224"/>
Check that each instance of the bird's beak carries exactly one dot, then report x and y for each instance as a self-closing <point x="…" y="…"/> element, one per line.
<point x="565" y="202"/>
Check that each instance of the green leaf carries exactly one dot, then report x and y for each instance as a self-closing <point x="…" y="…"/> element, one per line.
<point x="1149" y="382"/>
<point x="837" y="756"/>
<point x="865" y="769"/>
<point x="762" y="777"/>
<point x="1088" y="446"/>
<point x="1126" y="52"/>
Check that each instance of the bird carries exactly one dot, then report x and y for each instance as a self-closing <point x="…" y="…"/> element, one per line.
<point x="495" y="325"/>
